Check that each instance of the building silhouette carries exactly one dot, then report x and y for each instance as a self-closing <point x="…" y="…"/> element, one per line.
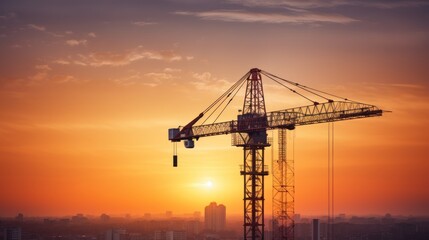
<point x="170" y="235"/>
<point x="19" y="217"/>
<point x="116" y="234"/>
<point x="215" y="217"/>
<point x="316" y="229"/>
<point x="12" y="233"/>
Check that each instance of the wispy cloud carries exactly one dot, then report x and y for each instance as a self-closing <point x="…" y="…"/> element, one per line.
<point x="252" y="17"/>
<point x="313" y="4"/>
<point x="172" y="70"/>
<point x="91" y="34"/>
<point x="43" y="67"/>
<point x="45" y="75"/>
<point x="8" y="16"/>
<point x="74" y="42"/>
<point x="40" y="76"/>
<point x="402" y="85"/>
<point x="143" y="23"/>
<point x="132" y="79"/>
<point x="159" y="77"/>
<point x="393" y="4"/>
<point x="63" y="79"/>
<point x="37" y="27"/>
<point x="206" y="81"/>
<point x="99" y="59"/>
<point x="62" y="62"/>
<point x="43" y="29"/>
<point x="151" y="79"/>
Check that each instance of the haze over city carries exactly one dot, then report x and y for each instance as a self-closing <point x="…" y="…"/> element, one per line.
<point x="88" y="90"/>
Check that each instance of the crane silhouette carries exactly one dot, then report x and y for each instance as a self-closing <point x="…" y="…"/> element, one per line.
<point x="249" y="131"/>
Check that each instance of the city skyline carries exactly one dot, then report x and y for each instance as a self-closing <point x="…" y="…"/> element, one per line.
<point x="89" y="89"/>
<point x="80" y="228"/>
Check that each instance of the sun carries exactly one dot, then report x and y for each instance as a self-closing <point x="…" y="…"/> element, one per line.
<point x="208" y="184"/>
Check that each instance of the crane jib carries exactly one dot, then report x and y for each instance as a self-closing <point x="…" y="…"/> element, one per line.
<point x="288" y="118"/>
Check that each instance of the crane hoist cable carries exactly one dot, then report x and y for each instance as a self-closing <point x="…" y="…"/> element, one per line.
<point x="292" y="90"/>
<point x="230" y="100"/>
<point x="306" y="88"/>
<point x="224" y="96"/>
<point x="297" y="85"/>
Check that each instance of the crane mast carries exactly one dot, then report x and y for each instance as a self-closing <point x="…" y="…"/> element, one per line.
<point x="253" y="143"/>
<point x="249" y="131"/>
<point x="283" y="201"/>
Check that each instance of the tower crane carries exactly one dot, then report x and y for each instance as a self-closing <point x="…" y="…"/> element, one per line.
<point x="249" y="131"/>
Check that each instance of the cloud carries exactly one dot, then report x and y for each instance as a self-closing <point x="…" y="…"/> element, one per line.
<point x="132" y="79"/>
<point x="91" y="34"/>
<point x="43" y="29"/>
<point x="205" y="76"/>
<point x="37" y="27"/>
<point x="402" y="85"/>
<point x="393" y="4"/>
<point x="143" y="23"/>
<point x="172" y="70"/>
<point x="62" y="62"/>
<point x="165" y="75"/>
<point x="115" y="59"/>
<point x="41" y="74"/>
<point x="45" y="75"/>
<point x="8" y="16"/>
<point x="43" y="67"/>
<point x="151" y="79"/>
<point x="74" y="42"/>
<point x="63" y="79"/>
<point x="99" y="59"/>
<point x="16" y="46"/>
<point x="252" y="17"/>
<point x="159" y="76"/>
<point x="301" y="5"/>
<point x="80" y="63"/>
<point x="206" y="81"/>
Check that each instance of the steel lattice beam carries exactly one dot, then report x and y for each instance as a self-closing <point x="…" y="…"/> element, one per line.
<point x="287" y="118"/>
<point x="283" y="192"/>
<point x="253" y="172"/>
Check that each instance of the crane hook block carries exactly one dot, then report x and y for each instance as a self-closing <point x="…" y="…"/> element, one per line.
<point x="174" y="160"/>
<point x="189" y="143"/>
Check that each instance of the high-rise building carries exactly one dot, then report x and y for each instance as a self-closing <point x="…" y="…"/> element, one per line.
<point x="316" y="229"/>
<point x="215" y="217"/>
<point x="104" y="217"/>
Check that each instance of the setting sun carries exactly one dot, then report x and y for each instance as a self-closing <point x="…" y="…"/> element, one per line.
<point x="209" y="184"/>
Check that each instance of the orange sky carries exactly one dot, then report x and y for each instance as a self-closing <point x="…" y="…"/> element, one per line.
<point x="88" y="91"/>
